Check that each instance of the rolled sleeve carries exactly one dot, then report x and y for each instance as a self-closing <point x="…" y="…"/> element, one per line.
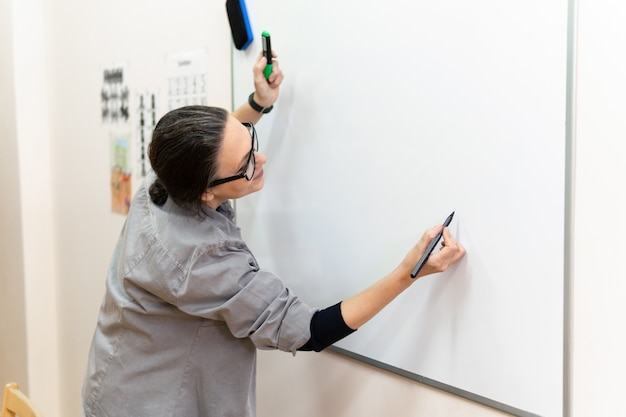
<point x="226" y="284"/>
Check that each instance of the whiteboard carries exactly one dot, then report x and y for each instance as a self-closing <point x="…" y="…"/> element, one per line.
<point x="392" y="115"/>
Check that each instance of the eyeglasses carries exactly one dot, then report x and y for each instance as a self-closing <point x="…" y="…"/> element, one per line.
<point x="248" y="171"/>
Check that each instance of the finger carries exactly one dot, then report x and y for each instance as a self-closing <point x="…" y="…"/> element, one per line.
<point x="434" y="231"/>
<point x="258" y="68"/>
<point x="457" y="250"/>
<point x="427" y="237"/>
<point x="276" y="78"/>
<point x="447" y="237"/>
<point x="275" y="64"/>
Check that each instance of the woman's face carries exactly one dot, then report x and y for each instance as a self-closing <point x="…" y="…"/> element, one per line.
<point x="233" y="157"/>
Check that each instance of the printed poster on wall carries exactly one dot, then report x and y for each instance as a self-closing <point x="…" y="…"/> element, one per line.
<point x="114" y="95"/>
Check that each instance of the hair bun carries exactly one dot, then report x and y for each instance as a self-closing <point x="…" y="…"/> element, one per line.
<point x="158" y="193"/>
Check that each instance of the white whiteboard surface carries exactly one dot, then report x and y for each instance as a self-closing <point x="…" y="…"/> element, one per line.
<point x="392" y="115"/>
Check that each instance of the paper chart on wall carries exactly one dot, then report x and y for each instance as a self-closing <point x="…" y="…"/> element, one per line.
<point x="145" y="122"/>
<point x="187" y="78"/>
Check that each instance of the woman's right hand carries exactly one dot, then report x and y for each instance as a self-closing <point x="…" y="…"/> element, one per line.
<point x="451" y="251"/>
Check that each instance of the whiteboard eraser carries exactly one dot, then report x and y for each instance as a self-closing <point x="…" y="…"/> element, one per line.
<point x="239" y="23"/>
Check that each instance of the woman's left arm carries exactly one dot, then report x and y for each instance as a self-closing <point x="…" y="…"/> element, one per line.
<point x="266" y="90"/>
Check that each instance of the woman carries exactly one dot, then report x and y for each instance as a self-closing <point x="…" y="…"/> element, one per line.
<point x="186" y="303"/>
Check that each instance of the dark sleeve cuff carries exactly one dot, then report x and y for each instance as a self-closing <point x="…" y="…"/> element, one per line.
<point x="327" y="327"/>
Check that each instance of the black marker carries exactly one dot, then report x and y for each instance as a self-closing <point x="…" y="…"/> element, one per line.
<point x="430" y="248"/>
<point x="267" y="51"/>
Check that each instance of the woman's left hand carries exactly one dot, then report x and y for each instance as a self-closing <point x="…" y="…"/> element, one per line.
<point x="266" y="90"/>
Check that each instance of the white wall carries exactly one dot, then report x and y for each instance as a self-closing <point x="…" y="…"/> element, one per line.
<point x="330" y="384"/>
<point x="59" y="205"/>
<point x="27" y="253"/>
<point x="13" y="357"/>
<point x="599" y="284"/>
<point x="37" y="211"/>
<point x="82" y="39"/>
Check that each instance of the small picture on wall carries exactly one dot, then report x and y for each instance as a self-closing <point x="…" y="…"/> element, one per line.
<point x="120" y="174"/>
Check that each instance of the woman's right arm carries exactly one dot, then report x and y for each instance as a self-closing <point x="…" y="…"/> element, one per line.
<point x="336" y="322"/>
<point x="361" y="307"/>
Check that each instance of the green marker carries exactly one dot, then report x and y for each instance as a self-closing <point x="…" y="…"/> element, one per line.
<point x="267" y="51"/>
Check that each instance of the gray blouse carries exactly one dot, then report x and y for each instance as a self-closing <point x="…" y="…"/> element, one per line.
<point x="185" y="308"/>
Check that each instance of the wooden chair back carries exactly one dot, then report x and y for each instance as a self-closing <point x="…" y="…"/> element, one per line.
<point x="16" y="404"/>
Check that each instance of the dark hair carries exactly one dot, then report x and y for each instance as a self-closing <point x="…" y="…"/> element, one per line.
<point x="184" y="154"/>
